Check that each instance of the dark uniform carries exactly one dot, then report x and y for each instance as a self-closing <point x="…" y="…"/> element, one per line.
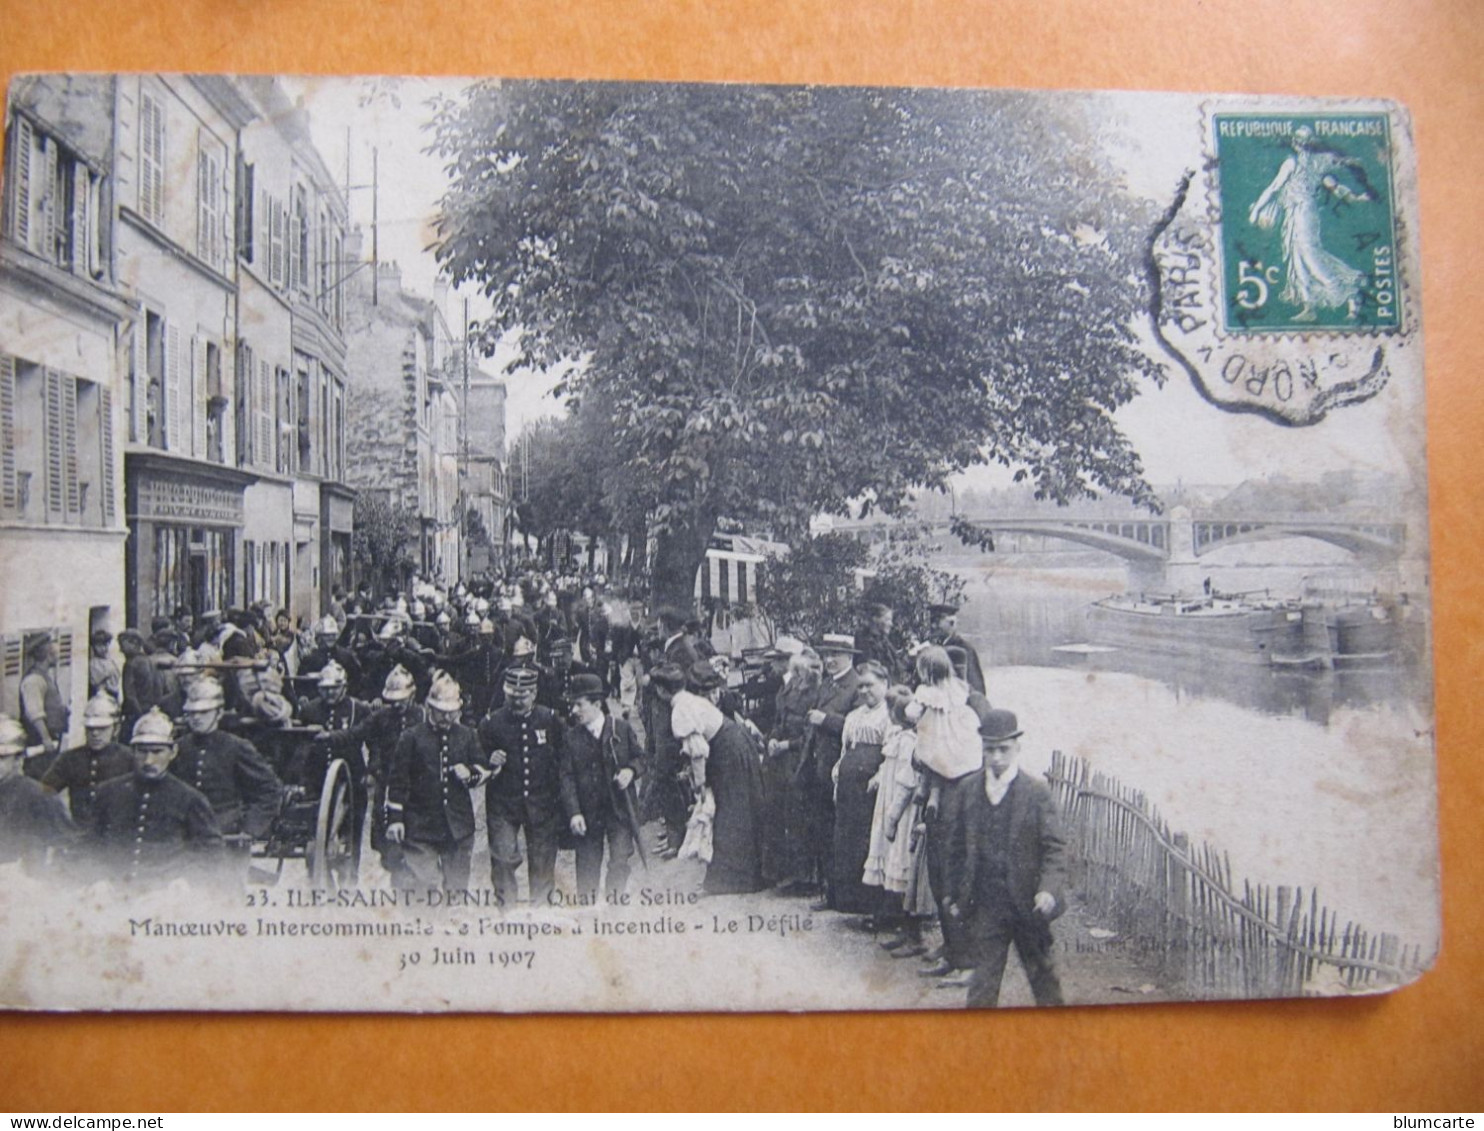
<point x="31" y="821"/>
<point x="342" y="718"/>
<point x="380" y="733"/>
<point x="80" y="772"/>
<point x="588" y="767"/>
<point x="435" y="808"/>
<point x="153" y="828"/>
<point x="836" y="698"/>
<point x="241" y="786"/>
<point x="524" y="794"/>
<point x="554" y="687"/>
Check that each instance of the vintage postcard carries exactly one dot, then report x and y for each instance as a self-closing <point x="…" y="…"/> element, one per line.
<point x="545" y="546"/>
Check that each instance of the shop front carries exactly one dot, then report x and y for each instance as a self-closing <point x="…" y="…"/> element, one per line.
<point x="185" y="534"/>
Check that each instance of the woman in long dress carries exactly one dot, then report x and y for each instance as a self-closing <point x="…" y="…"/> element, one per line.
<point x="896" y="863"/>
<point x="855" y="802"/>
<point x="1303" y="183"/>
<point x="726" y="764"/>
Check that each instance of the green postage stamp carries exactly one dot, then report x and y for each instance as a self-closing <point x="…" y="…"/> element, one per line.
<point x="1308" y="239"/>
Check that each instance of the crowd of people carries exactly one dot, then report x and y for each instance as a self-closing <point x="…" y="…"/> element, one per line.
<point x="862" y="771"/>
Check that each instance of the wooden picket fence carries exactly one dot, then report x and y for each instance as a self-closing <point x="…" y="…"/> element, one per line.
<point x="1176" y="905"/>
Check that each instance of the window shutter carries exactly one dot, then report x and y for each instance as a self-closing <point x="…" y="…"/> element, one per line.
<point x="69" y="446"/>
<point x="56" y="460"/>
<point x="198" y="397"/>
<point x="222" y="195"/>
<point x="139" y="376"/>
<point x="9" y="491"/>
<point x="280" y="224"/>
<point x="25" y="140"/>
<point x="151" y="160"/>
<point x="80" y="224"/>
<point x="176" y="414"/>
<point x="263" y="409"/>
<point x="203" y="206"/>
<point x="51" y="203"/>
<point x="12" y="649"/>
<point x="105" y="429"/>
<point x="296" y="260"/>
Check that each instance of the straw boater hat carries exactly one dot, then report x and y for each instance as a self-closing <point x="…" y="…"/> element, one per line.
<point x="445" y="694"/>
<point x="101" y="711"/>
<point x="332" y="675"/>
<point x="205" y="694"/>
<point x="12" y="736"/>
<point x="941" y="610"/>
<point x="842" y="643"/>
<point x="154" y="728"/>
<point x="399" y="686"/>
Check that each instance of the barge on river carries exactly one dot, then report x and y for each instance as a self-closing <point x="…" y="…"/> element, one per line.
<point x="1219" y="626"/>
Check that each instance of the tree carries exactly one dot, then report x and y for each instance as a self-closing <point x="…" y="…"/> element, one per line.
<point x="384" y="541"/>
<point x="786" y="299"/>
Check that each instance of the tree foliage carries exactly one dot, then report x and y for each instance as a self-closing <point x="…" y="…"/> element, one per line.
<point x="786" y="299"/>
<point x="826" y="583"/>
<point x="384" y="542"/>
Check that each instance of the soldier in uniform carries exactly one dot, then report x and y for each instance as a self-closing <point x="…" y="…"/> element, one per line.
<point x="430" y="811"/>
<point x="238" y="781"/>
<point x="32" y="821"/>
<point x="149" y="824"/>
<point x="521" y="740"/>
<point x="327" y="649"/>
<point x="381" y="734"/>
<point x="101" y="757"/>
<point x="600" y="759"/>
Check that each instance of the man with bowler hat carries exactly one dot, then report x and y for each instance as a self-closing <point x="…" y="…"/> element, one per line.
<point x="600" y="759"/>
<point x="1005" y="869"/>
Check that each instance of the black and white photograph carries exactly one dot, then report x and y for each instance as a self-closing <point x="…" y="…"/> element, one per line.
<point x="495" y="545"/>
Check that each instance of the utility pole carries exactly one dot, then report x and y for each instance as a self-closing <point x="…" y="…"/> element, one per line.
<point x="464" y="443"/>
<point x="375" y="254"/>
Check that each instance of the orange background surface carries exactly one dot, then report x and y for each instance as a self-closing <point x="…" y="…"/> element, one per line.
<point x="1417" y="1050"/>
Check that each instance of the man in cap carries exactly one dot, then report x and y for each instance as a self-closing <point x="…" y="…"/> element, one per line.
<point x="521" y="740"/>
<point x="430" y="812"/>
<point x="150" y="824"/>
<point x="555" y="687"/>
<point x="240" y="784"/>
<point x="143" y="683"/>
<point x="103" y="673"/>
<point x="44" y="712"/>
<point x="945" y="633"/>
<point x="32" y="821"/>
<point x="1005" y="866"/>
<point x="600" y="760"/>
<point x="836" y="699"/>
<point x="101" y="757"/>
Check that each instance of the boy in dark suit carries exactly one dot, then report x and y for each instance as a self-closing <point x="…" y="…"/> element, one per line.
<point x="1005" y="866"/>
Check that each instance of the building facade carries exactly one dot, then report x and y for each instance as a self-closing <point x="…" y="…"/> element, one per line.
<point x="403" y="412"/>
<point x="172" y="360"/>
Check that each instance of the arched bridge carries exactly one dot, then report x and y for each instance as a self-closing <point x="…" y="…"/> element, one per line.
<point x="1181" y="538"/>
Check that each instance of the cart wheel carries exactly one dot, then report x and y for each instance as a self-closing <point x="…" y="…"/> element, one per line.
<point x="334" y="857"/>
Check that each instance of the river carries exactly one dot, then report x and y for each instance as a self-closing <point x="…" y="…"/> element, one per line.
<point x="1322" y="779"/>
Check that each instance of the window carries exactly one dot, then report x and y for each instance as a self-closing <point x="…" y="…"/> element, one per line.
<point x="299" y="242"/>
<point x="287" y="448"/>
<point x="12" y="665"/>
<point x="305" y="415"/>
<point x="322" y="297"/>
<point x="211" y="200"/>
<point x="246" y="402"/>
<point x="56" y="447"/>
<point x="216" y="405"/>
<point x="53" y="202"/>
<point x="151" y="159"/>
<point x="246" y="227"/>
